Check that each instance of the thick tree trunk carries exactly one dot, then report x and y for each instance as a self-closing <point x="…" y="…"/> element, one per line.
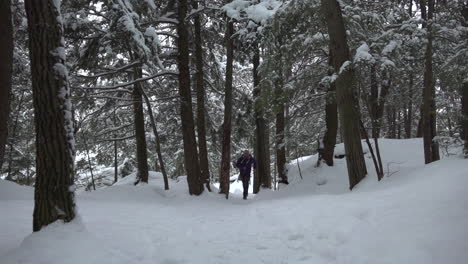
<point x="140" y="134"/>
<point x="55" y="150"/>
<point x="226" y="144"/>
<point x="201" y="123"/>
<point x="261" y="149"/>
<point x="6" y="66"/>
<point x="280" y="148"/>
<point x="158" y="142"/>
<point x="348" y="104"/>
<point x="431" y="148"/>
<point x="280" y="143"/>
<point x="265" y="179"/>
<point x="192" y="165"/>
<point x="331" y="119"/>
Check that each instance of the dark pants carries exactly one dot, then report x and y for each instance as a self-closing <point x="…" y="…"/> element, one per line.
<point x="245" y="184"/>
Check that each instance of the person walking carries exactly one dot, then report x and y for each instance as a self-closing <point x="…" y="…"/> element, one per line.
<point x="245" y="164"/>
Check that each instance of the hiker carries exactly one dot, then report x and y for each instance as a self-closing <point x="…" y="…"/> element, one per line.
<point x="245" y="163"/>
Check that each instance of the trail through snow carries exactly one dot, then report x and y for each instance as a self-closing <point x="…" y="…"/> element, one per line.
<point x="417" y="215"/>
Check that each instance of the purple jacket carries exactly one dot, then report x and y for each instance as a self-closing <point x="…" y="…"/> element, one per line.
<point x="245" y="165"/>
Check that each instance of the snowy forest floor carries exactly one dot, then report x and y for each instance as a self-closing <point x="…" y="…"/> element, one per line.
<point x="417" y="214"/>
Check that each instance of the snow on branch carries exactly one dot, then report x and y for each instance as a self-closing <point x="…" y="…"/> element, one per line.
<point x="113" y="87"/>
<point x="258" y="12"/>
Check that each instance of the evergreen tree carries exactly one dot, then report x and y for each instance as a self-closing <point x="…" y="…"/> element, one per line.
<point x="55" y="150"/>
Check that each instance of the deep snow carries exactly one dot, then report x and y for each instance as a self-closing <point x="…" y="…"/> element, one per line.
<point x="418" y="214"/>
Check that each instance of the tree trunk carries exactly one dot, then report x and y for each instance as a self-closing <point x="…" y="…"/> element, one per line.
<point x="376" y="159"/>
<point x="409" y="111"/>
<point x="280" y="143"/>
<point x="6" y="66"/>
<point x="201" y="123"/>
<point x="431" y="148"/>
<point x="226" y="145"/>
<point x="391" y="122"/>
<point x="374" y="102"/>
<point x="377" y="100"/>
<point x="89" y="162"/>
<point x="419" y="131"/>
<point x="116" y="166"/>
<point x="261" y="132"/>
<point x="280" y="98"/>
<point x="192" y="165"/>
<point x="265" y="179"/>
<point x="347" y="102"/>
<point x="331" y="118"/>
<point x="55" y="149"/>
<point x="464" y="94"/>
<point x="140" y="134"/>
<point x="398" y="124"/>
<point x="465" y="115"/>
<point x="158" y="142"/>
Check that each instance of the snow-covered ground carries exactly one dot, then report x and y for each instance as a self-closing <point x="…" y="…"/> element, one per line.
<point x="418" y="215"/>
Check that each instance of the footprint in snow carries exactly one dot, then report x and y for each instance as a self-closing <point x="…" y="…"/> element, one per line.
<point x="294" y="237"/>
<point x="172" y="261"/>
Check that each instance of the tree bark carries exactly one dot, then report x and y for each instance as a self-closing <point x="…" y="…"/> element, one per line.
<point x="116" y="166"/>
<point x="201" y="123"/>
<point x="347" y="101"/>
<point x="261" y="148"/>
<point x="89" y="162"/>
<point x="227" y="126"/>
<point x="409" y="111"/>
<point x="192" y="165"/>
<point x="158" y="142"/>
<point x="465" y="116"/>
<point x="55" y="150"/>
<point x="464" y="93"/>
<point x="280" y="98"/>
<point x="377" y="100"/>
<point x="140" y="134"/>
<point x="376" y="159"/>
<point x="431" y="148"/>
<point x="331" y="118"/>
<point x="280" y="127"/>
<point x="6" y="66"/>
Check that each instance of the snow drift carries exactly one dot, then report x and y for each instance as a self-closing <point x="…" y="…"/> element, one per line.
<point x="417" y="214"/>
